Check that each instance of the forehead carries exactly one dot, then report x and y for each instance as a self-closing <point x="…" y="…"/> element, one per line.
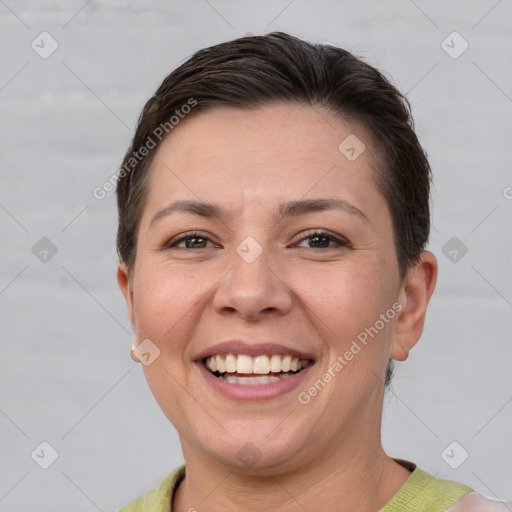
<point x="275" y="152"/>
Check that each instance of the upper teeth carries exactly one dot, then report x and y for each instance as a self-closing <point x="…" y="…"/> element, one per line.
<point x="263" y="364"/>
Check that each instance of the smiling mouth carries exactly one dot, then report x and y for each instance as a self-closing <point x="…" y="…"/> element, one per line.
<point x="249" y="370"/>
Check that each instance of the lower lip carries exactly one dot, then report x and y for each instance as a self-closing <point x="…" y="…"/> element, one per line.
<point x="256" y="392"/>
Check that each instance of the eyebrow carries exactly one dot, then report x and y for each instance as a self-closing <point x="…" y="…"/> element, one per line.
<point x="289" y="209"/>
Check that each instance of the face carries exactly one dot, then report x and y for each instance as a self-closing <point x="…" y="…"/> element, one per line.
<point x="292" y="264"/>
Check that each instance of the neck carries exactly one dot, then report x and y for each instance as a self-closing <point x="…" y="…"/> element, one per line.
<point x="346" y="480"/>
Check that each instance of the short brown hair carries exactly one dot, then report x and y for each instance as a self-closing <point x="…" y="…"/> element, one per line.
<point x="254" y="71"/>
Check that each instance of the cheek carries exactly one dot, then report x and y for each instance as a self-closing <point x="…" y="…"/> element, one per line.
<point x="347" y="297"/>
<point x="169" y="303"/>
<point x="168" y="386"/>
<point x="348" y="304"/>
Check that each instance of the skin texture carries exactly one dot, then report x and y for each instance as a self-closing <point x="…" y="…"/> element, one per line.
<point x="297" y="293"/>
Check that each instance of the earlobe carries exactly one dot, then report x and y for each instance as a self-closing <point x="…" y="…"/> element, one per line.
<point x="414" y="297"/>
<point x="133" y="354"/>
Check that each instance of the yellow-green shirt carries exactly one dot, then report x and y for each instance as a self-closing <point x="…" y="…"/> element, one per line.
<point x="422" y="492"/>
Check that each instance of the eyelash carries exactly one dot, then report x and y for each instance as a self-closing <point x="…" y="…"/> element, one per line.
<point x="315" y="233"/>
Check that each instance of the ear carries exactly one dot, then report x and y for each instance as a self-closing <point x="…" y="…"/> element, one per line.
<point x="125" y="284"/>
<point x="415" y="294"/>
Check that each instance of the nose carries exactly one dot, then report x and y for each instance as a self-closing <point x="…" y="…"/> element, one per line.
<point x="253" y="290"/>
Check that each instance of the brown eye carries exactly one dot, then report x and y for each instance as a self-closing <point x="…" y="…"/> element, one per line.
<point x="323" y="239"/>
<point x="194" y="242"/>
<point x="190" y="241"/>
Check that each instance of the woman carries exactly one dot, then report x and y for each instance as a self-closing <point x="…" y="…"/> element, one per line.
<point x="273" y="216"/>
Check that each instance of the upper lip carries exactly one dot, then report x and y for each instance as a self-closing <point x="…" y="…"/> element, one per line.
<point x="251" y="349"/>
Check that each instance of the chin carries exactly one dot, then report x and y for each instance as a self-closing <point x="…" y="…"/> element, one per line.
<point x="258" y="454"/>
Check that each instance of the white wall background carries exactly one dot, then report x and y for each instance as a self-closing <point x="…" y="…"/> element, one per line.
<point x="65" y="373"/>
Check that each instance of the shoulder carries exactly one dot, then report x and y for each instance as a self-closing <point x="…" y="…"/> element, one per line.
<point x="424" y="492"/>
<point x="158" y="499"/>
<point x="427" y="487"/>
<point x="475" y="502"/>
